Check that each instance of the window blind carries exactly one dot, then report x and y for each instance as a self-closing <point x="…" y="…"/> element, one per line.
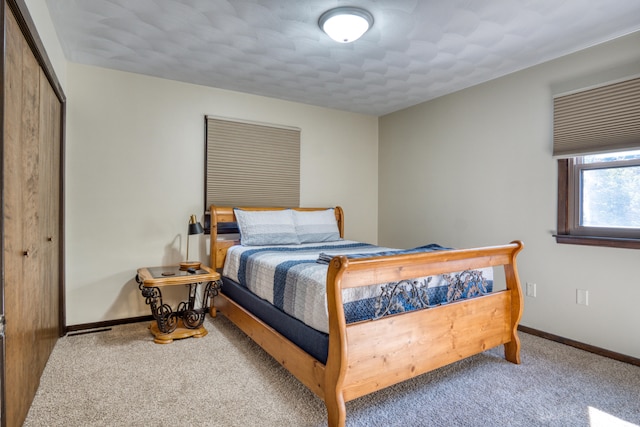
<point x="249" y="164"/>
<point x="602" y="119"/>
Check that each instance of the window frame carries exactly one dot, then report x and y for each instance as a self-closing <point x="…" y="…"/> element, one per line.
<point x="569" y="229"/>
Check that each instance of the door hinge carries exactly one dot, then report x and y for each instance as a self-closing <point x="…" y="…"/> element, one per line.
<point x="2" y="325"/>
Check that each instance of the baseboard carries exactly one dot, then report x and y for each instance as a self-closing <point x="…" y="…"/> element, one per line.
<point x="582" y="346"/>
<point x="107" y="323"/>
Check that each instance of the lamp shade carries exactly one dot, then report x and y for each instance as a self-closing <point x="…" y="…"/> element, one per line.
<point x="345" y="24"/>
<point x="194" y="226"/>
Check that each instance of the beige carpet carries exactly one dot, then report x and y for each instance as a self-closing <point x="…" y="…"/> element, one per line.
<point x="121" y="378"/>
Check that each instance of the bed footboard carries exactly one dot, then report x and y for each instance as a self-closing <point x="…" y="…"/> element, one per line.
<point x="367" y="356"/>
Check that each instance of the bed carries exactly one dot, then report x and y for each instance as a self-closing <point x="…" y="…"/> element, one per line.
<point x="353" y="358"/>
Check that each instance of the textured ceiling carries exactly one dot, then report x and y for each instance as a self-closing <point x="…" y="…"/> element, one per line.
<point x="416" y="50"/>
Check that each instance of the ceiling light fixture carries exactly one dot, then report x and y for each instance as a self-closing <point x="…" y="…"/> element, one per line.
<point x="345" y="24"/>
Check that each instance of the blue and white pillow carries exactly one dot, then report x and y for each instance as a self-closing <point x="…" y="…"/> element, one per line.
<point x="260" y="228"/>
<point x="316" y="226"/>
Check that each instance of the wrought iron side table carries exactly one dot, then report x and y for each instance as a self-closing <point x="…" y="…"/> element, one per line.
<point x="187" y="320"/>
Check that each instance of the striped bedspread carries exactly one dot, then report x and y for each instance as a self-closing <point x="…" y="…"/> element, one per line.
<point x="293" y="278"/>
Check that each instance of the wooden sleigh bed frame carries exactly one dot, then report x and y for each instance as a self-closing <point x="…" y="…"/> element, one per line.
<point x="370" y="355"/>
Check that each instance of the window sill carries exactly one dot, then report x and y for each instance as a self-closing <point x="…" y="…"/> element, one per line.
<point x="610" y="242"/>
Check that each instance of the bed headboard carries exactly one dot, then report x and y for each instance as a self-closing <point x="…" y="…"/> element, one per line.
<point x="224" y="214"/>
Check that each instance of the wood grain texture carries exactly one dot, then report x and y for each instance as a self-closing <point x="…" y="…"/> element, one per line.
<point x="16" y="338"/>
<point x="31" y="220"/>
<point x="393" y="349"/>
<point x="179" y="333"/>
<point x="367" y="356"/>
<point x="49" y="238"/>
<point x="149" y="280"/>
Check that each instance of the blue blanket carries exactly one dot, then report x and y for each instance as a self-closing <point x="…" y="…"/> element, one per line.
<point x="324" y="258"/>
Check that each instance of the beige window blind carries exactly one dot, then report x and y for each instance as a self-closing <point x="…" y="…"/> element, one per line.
<point x="251" y="164"/>
<point x="602" y="119"/>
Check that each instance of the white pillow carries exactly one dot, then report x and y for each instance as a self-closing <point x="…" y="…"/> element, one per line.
<point x="316" y="226"/>
<point x="258" y="228"/>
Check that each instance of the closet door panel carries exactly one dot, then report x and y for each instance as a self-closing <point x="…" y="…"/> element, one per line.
<point x="32" y="240"/>
<point x="23" y="251"/>
<point x="49" y="218"/>
<point x="13" y="231"/>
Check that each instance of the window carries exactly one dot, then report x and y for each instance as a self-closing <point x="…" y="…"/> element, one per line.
<point x="596" y="137"/>
<point x="251" y="164"/>
<point x="603" y="198"/>
<point x="608" y="186"/>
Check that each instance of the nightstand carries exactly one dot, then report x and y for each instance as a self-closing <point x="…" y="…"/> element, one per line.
<point x="187" y="320"/>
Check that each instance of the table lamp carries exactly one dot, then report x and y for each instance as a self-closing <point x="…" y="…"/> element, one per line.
<point x="194" y="228"/>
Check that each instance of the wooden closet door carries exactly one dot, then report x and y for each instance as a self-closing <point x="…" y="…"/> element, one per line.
<point x="49" y="219"/>
<point x="20" y="216"/>
<point x="31" y="194"/>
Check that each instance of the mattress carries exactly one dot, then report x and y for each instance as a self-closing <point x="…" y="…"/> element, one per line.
<point x="293" y="280"/>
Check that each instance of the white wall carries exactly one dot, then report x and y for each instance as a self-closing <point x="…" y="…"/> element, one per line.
<point x="475" y="168"/>
<point x="135" y="172"/>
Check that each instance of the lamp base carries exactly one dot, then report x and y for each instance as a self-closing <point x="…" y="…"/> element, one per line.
<point x="189" y="264"/>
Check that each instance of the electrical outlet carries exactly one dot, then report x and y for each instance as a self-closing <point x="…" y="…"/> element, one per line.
<point x="531" y="289"/>
<point x="582" y="296"/>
